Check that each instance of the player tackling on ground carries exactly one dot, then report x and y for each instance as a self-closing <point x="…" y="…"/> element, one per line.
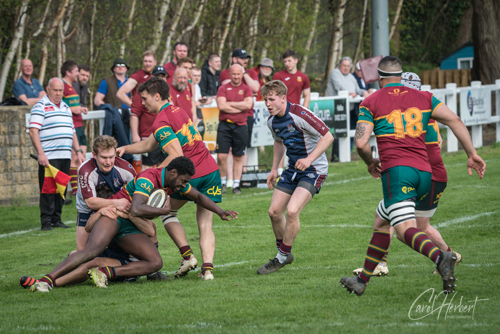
<point x="306" y="139"/>
<point x="399" y="116"/>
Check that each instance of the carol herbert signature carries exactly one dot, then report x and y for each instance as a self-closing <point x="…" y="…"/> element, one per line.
<point x="442" y="305"/>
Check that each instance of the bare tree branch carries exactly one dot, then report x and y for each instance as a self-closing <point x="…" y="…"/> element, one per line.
<point x="129" y="28"/>
<point x="303" y="63"/>
<point x="361" y="30"/>
<point x="160" y="23"/>
<point x="226" y="27"/>
<point x="396" y="18"/>
<point x="171" y="33"/>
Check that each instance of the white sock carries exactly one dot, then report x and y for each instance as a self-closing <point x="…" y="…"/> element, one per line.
<point x="223" y="180"/>
<point x="236" y="183"/>
<point x="281" y="258"/>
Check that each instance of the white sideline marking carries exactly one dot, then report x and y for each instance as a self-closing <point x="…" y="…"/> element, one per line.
<point x="302" y="226"/>
<point x="26" y="231"/>
<point x="224" y="265"/>
<point x="463" y="219"/>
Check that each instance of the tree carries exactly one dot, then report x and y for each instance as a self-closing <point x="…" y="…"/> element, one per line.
<point x="485" y="32"/>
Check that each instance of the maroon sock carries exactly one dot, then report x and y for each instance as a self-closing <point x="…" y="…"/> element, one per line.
<point x="278" y="243"/>
<point x="108" y="271"/>
<point x="420" y="242"/>
<point x="376" y="250"/>
<point x="186" y="252"/>
<point x="48" y="279"/>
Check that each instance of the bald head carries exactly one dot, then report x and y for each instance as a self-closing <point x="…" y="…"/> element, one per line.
<point x="181" y="78"/>
<point x="55" y="88"/>
<point x="236" y="72"/>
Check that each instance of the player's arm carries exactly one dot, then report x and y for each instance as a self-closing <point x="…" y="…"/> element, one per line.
<point x="307" y="97"/>
<point x="224" y="106"/>
<point x="321" y="147"/>
<point x="140" y="207"/>
<point x="108" y="211"/>
<point x="97" y="203"/>
<point x="252" y="83"/>
<point x="173" y="150"/>
<point x="78" y="149"/>
<point x="246" y="104"/>
<point x="144" y="146"/>
<point x="444" y="115"/>
<point x="361" y="140"/>
<point x="278" y="152"/>
<point x="208" y="204"/>
<point x="127" y="87"/>
<point x="193" y="110"/>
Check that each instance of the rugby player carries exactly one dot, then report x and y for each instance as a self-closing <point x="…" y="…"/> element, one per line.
<point x="399" y="117"/>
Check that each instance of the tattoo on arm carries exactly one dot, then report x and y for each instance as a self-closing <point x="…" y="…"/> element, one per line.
<point x="360" y="130"/>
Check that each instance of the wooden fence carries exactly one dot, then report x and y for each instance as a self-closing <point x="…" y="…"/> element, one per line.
<point x="439" y="78"/>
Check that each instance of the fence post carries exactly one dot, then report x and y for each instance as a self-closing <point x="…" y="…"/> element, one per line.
<point x="451" y="102"/>
<point x="345" y="142"/>
<point x="497" y="109"/>
<point x="477" y="130"/>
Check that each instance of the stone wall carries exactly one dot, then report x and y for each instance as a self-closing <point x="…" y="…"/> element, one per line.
<point x="18" y="172"/>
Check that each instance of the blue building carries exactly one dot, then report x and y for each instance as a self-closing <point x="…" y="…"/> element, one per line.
<point x="461" y="58"/>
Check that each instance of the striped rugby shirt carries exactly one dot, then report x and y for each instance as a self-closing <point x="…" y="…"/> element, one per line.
<point x="56" y="128"/>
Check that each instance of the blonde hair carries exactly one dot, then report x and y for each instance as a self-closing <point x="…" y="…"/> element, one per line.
<point x="149" y="53"/>
<point x="274" y="86"/>
<point x="104" y="142"/>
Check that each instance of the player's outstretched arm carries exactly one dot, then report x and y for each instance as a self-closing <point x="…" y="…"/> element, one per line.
<point x="144" y="146"/>
<point x="444" y="115"/>
<point x="208" y="204"/>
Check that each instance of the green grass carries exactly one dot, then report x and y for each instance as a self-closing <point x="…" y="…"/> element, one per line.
<point x="302" y="297"/>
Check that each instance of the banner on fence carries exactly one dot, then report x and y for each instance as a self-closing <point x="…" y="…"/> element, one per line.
<point x="475" y="105"/>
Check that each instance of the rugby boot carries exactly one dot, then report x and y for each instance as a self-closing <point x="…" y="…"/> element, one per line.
<point x="98" y="277"/>
<point x="186" y="266"/>
<point x="457" y="261"/>
<point x="26" y="281"/>
<point x="158" y="276"/>
<point x="274" y="265"/>
<point x="207" y="275"/>
<point x="354" y="285"/>
<point x="40" y="287"/>
<point x="446" y="267"/>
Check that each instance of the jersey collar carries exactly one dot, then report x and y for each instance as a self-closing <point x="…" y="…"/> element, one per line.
<point x="164" y="106"/>
<point x="394" y="84"/>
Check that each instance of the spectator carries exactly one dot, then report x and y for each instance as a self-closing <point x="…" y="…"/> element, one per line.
<point x="341" y="79"/>
<point x="180" y="51"/>
<point x="53" y="135"/>
<point x="185" y="63"/>
<point x="296" y="81"/>
<point x="144" y="120"/>
<point x="210" y="76"/>
<point x="233" y="100"/>
<point x="264" y="71"/>
<point x="106" y="93"/>
<point x="181" y="95"/>
<point x="28" y="89"/>
<point x="359" y="79"/>
<point x="199" y="99"/>
<point x="250" y="78"/>
<point x="81" y="85"/>
<point x="130" y="86"/>
<point x="69" y="73"/>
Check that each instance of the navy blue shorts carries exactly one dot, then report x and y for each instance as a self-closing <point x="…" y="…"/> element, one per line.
<point x="114" y="251"/>
<point x="82" y="219"/>
<point x="291" y="179"/>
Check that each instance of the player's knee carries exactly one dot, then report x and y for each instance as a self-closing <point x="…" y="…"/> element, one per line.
<point x="292" y="213"/>
<point x="156" y="263"/>
<point x="273" y="213"/>
<point x="170" y="218"/>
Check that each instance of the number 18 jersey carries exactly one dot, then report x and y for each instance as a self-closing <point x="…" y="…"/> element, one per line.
<point x="400" y="116"/>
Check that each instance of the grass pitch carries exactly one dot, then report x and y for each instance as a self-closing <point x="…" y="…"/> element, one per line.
<point x="303" y="297"/>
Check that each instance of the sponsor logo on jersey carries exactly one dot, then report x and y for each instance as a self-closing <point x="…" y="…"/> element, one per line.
<point x="299" y="79"/>
<point x="229" y="88"/>
<point x="290" y="128"/>
<point x="51" y="108"/>
<point x="240" y="92"/>
<point x="165" y="135"/>
<point x="146" y="76"/>
<point x="215" y="190"/>
<point x="287" y="78"/>
<point x="398" y="92"/>
<point x="303" y="113"/>
<point x="116" y="182"/>
<point x="188" y="98"/>
<point x="146" y="187"/>
<point x="406" y="190"/>
<point x="311" y="175"/>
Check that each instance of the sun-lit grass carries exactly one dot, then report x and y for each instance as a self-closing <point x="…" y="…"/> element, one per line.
<point x="303" y="297"/>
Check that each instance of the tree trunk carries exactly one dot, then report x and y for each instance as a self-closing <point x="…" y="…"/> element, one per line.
<point x="75" y="29"/>
<point x="18" y="35"/>
<point x="336" y="40"/>
<point x="226" y="27"/>
<point x="40" y="28"/>
<point x="254" y="30"/>
<point x="485" y="32"/>
<point x="71" y="6"/>
<point x="361" y="30"/>
<point x="303" y="63"/>
<point x="173" y="28"/>
<point x="129" y="28"/>
<point x="45" y="51"/>
<point x="195" y="20"/>
<point x="160" y="23"/>
<point x="60" y="48"/>
<point x="396" y="18"/>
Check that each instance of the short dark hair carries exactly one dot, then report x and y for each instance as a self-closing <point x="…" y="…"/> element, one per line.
<point x="183" y="166"/>
<point x="290" y="53"/>
<point x="180" y="43"/>
<point x="183" y="60"/>
<point x="155" y="85"/>
<point x="68" y="66"/>
<point x="86" y="68"/>
<point x="103" y="191"/>
<point x="390" y="63"/>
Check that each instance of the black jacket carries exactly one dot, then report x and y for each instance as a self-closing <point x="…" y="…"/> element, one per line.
<point x="209" y="84"/>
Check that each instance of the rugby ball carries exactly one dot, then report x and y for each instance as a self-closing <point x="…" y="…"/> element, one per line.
<point x="158" y="198"/>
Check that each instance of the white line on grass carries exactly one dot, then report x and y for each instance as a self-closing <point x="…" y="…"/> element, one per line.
<point x="302" y="226"/>
<point x="463" y="219"/>
<point x="27" y="231"/>
<point x="224" y="265"/>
